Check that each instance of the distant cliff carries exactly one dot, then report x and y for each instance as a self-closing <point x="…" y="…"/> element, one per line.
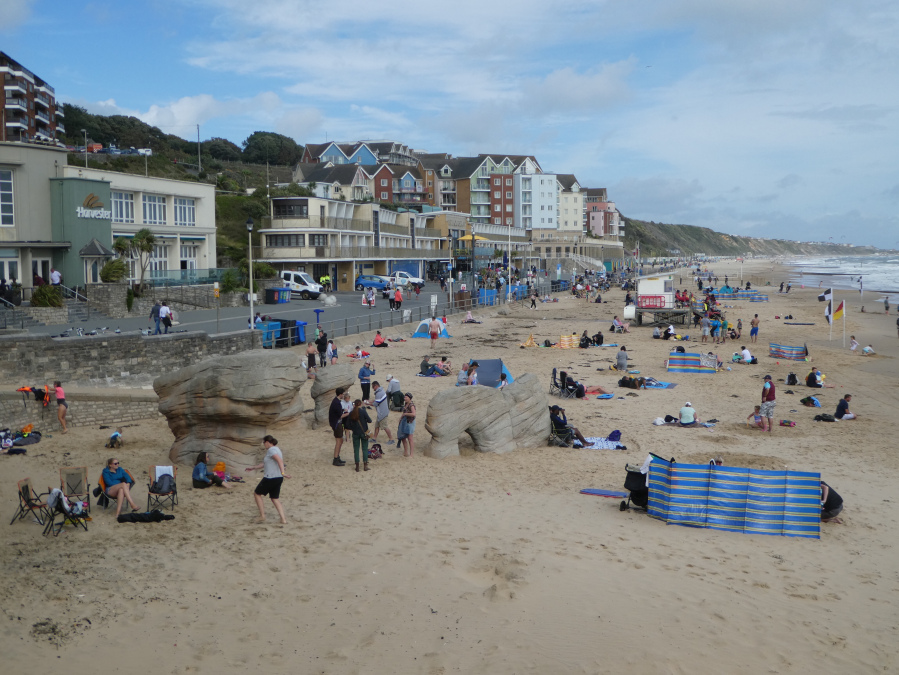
<point x="659" y="239"/>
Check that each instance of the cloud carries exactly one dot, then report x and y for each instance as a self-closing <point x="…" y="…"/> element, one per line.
<point x="15" y="13"/>
<point x="893" y="193"/>
<point x="566" y="91"/>
<point x="788" y="181"/>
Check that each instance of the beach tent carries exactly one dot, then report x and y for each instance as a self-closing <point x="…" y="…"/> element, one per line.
<point x="785" y="503"/>
<point x="489" y="371"/>
<point x="788" y="353"/>
<point x="691" y="363"/>
<point x="422" y="330"/>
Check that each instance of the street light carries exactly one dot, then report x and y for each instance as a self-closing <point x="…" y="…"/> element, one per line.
<point x="250" y="250"/>
<point x="84" y="131"/>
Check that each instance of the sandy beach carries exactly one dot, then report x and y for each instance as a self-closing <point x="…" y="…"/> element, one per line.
<point x="492" y="563"/>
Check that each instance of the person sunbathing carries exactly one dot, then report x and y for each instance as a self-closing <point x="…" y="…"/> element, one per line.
<point x="118" y="485"/>
<point x="469" y="319"/>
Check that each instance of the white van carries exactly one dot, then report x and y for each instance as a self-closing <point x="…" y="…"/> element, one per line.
<point x="301" y="284"/>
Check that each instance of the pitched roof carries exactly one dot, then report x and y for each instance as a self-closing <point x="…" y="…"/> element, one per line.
<point x="94" y="249"/>
<point x="337" y="173"/>
<point x="567" y="180"/>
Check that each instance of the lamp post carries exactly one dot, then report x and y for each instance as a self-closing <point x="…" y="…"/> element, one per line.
<point x="84" y="131"/>
<point x="250" y="256"/>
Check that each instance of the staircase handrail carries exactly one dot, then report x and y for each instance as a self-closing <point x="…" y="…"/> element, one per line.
<point x="74" y="293"/>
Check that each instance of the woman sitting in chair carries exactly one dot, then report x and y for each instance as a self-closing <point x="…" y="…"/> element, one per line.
<point x="203" y="478"/>
<point x="118" y="485"/>
<point x="621" y="327"/>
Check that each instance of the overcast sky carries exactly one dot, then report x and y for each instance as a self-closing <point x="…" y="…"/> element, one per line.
<point x="771" y="118"/>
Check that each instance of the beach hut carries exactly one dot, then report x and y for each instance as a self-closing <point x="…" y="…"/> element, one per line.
<point x="489" y="371"/>
<point x="752" y="501"/>
<point x="787" y="353"/>
<point x="692" y="363"/>
<point x="423" y="332"/>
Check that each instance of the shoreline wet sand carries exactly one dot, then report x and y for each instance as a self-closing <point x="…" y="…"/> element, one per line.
<point x="492" y="563"/>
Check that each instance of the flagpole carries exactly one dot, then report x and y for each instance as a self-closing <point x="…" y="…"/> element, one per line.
<point x="844" y="324"/>
<point x="830" y="318"/>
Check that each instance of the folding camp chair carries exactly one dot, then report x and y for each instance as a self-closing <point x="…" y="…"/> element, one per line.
<point x="554" y="387"/>
<point x="58" y="507"/>
<point x="74" y="485"/>
<point x="562" y="439"/>
<point x="565" y="391"/>
<point x="106" y="503"/>
<point x="30" y="502"/>
<point x="159" y="499"/>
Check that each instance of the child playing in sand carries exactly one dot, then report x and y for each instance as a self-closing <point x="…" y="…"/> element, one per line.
<point x="116" y="440"/>
<point x="868" y="350"/>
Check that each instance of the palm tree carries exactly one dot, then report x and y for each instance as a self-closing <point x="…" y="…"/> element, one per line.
<point x="139" y="247"/>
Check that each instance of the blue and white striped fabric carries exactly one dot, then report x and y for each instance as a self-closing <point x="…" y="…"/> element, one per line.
<point x="785" y="503"/>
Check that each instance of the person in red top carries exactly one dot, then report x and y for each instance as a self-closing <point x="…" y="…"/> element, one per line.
<point x="398" y="299"/>
<point x="61" y="406"/>
<point x="768" y="403"/>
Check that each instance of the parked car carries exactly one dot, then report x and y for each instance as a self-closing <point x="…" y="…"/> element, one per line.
<point x="405" y="279"/>
<point x="301" y="284"/>
<point x="364" y="281"/>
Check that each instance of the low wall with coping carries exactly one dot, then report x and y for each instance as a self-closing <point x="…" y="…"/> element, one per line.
<point x="86" y="408"/>
<point x="126" y="359"/>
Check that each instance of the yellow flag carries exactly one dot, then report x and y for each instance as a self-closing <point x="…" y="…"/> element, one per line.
<point x="837" y="315"/>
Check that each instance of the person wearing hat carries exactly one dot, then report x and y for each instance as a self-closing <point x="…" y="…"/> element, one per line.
<point x="768" y="402"/>
<point x="473" y="373"/>
<point x="406" y="428"/>
<point x="688" y="416"/>
<point x="394" y="393"/>
<point x="561" y="427"/>
<point x="365" y="373"/>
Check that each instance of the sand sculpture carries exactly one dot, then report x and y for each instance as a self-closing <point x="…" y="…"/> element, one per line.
<point x="497" y="421"/>
<point x="326" y="381"/>
<point x="224" y="405"/>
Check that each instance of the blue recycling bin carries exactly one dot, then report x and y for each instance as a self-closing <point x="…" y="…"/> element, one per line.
<point x="271" y="331"/>
<point x="301" y="331"/>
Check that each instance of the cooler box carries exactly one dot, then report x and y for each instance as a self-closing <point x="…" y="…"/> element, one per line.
<point x="277" y="296"/>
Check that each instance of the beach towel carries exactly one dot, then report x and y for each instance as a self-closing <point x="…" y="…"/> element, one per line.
<point x="600" y="443"/>
<point x="604" y="493"/>
<point x="655" y="384"/>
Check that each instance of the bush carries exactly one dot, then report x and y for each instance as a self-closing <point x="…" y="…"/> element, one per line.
<point x="47" y="296"/>
<point x="129" y="299"/>
<point x="113" y="271"/>
<point x="230" y="281"/>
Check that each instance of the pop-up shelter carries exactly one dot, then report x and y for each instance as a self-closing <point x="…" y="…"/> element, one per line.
<point x="691" y="363"/>
<point x="752" y="501"/>
<point x="423" y="332"/>
<point x="489" y="371"/>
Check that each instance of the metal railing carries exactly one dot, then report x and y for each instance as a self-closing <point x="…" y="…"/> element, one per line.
<point x="326" y="223"/>
<point x="325" y="253"/>
<point x="72" y="293"/>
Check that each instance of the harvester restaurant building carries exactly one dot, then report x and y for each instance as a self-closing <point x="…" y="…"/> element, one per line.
<point x="66" y="217"/>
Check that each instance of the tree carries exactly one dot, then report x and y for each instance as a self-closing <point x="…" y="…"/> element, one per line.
<point x="140" y="248"/>
<point x="265" y="146"/>
<point x="221" y="148"/>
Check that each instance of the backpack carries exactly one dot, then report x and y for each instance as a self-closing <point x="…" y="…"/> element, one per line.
<point x="547" y="343"/>
<point x="792" y="380"/>
<point x="375" y="451"/>
<point x="398" y="399"/>
<point x="163" y="485"/>
<point x="580" y="391"/>
<point x="754" y="361"/>
<point x="680" y="350"/>
<point x="670" y="418"/>
<point x="825" y="417"/>
<point x="615" y="436"/>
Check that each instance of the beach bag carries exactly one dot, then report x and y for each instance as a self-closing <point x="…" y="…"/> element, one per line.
<point x="547" y="343"/>
<point x="680" y="350"/>
<point x="375" y="451"/>
<point x="792" y="380"/>
<point x="670" y="418"/>
<point x="825" y="417"/>
<point x="615" y="436"/>
<point x="580" y="391"/>
<point x="163" y="485"/>
<point x="754" y="361"/>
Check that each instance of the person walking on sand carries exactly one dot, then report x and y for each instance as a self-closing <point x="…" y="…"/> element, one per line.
<point x="434" y="330"/>
<point x="272" y="477"/>
<point x="754" y="330"/>
<point x="62" y="408"/>
<point x="768" y="402"/>
<point x="853" y="343"/>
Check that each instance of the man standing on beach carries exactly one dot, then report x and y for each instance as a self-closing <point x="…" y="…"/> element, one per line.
<point x="754" y="331"/>
<point x="274" y="475"/>
<point x="434" y="330"/>
<point x="706" y="325"/>
<point x="768" y="403"/>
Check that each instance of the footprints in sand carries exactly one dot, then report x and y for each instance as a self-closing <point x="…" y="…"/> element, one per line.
<point x="506" y="572"/>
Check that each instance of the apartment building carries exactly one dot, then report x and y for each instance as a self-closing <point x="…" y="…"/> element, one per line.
<point x="344" y="239"/>
<point x="604" y="220"/>
<point x="28" y="107"/>
<point x="360" y="152"/>
<point x="570" y="208"/>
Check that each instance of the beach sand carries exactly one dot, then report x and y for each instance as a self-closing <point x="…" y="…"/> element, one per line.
<point x="490" y="563"/>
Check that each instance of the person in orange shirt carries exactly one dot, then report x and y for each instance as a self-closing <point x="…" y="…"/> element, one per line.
<point x="398" y="299"/>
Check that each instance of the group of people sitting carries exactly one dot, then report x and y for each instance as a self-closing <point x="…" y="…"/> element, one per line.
<point x="591" y="341"/>
<point x="683" y="299"/>
<point x="443" y="368"/>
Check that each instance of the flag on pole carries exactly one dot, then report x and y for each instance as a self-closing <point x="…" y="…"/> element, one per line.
<point x="838" y="314"/>
<point x="826" y="296"/>
<point x="828" y="312"/>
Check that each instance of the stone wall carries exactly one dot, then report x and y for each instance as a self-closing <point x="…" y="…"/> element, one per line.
<point x="120" y="360"/>
<point x="48" y="316"/>
<point x="86" y="408"/>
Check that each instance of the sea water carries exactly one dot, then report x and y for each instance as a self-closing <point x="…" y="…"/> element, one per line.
<point x="874" y="274"/>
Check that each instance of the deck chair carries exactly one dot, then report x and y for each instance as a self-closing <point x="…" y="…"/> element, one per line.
<point x="563" y="438"/>
<point x="158" y="498"/>
<point x="554" y="387"/>
<point x="108" y="501"/>
<point x="566" y="391"/>
<point x="60" y="509"/>
<point x="30" y="502"/>
<point x="74" y="485"/>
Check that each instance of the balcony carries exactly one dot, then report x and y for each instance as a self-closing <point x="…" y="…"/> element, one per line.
<point x="389" y="228"/>
<point x="43" y="100"/>
<point x="449" y="189"/>
<point x="416" y="188"/>
<point x="59" y="112"/>
<point x="347" y="253"/>
<point x="17" y="122"/>
<point x="480" y="199"/>
<point x="17" y="104"/>
<point x="42" y="116"/>
<point x="316" y="222"/>
<point x="12" y="85"/>
<point x="60" y="127"/>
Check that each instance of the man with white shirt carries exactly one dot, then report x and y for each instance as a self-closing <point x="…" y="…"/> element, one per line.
<point x="165" y="315"/>
<point x="747" y="357"/>
<point x="56" y="277"/>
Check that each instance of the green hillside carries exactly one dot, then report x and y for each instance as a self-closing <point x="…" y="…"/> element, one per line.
<point x="659" y="239"/>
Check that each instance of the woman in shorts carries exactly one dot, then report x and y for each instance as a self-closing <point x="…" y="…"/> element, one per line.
<point x="62" y="408"/>
<point x="273" y="476"/>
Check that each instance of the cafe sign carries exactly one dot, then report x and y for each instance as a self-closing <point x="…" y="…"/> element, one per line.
<point x="92" y="207"/>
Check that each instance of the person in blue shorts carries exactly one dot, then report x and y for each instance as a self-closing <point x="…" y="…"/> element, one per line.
<point x="754" y="331"/>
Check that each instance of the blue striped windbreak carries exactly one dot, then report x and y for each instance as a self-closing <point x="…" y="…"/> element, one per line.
<point x="786" y="503"/>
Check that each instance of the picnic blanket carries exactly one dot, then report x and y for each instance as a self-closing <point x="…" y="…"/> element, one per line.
<point x="600" y="443"/>
<point x="655" y="384"/>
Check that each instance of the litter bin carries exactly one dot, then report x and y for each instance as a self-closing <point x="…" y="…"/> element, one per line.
<point x="270" y="332"/>
<point x="555" y="285"/>
<point x="277" y="296"/>
<point x="301" y="331"/>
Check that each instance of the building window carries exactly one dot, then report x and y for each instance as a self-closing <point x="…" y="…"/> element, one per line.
<point x="497" y="195"/>
<point x="185" y="212"/>
<point x="6" y="204"/>
<point x="508" y="181"/>
<point x="154" y="210"/>
<point x="286" y="240"/>
<point x="383" y="195"/>
<point x="383" y="182"/>
<point x="159" y="259"/>
<point x="189" y="256"/>
<point x="122" y="207"/>
<point x="508" y="208"/>
<point x="497" y="181"/>
<point x="318" y="239"/>
<point x="497" y="221"/>
<point x="497" y="207"/>
<point x="430" y="182"/>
